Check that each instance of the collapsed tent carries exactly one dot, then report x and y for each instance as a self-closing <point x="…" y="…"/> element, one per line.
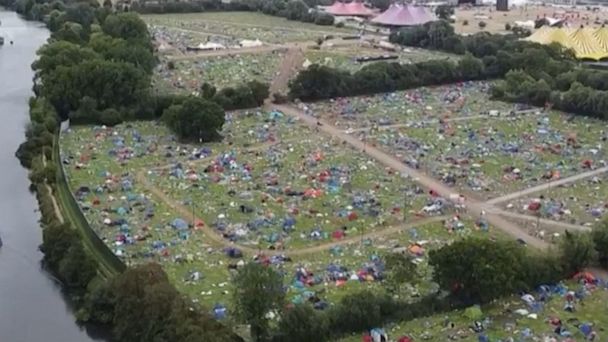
<point x="586" y="42"/>
<point x="404" y="15"/>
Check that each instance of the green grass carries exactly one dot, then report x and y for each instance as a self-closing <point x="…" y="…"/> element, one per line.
<point x="504" y="322"/>
<point x="220" y="71"/>
<point x="579" y="198"/>
<point x="344" y="57"/>
<point x="246" y="25"/>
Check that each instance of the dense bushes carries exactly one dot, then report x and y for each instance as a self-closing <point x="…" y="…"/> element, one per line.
<point x="321" y="82"/>
<point x="142" y="305"/>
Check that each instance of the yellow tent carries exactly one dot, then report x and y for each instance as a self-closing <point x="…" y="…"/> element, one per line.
<point x="601" y="35"/>
<point x="587" y="43"/>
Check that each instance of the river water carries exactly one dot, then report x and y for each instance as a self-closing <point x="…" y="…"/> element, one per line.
<point x="32" y="307"/>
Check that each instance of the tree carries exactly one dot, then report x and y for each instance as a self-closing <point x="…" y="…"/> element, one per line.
<point x="111" y="84"/>
<point x="128" y="26"/>
<point x="56" y="241"/>
<point x="577" y="251"/>
<point x="478" y="270"/>
<point x="302" y="324"/>
<point x="118" y="49"/>
<point x="208" y="90"/>
<point x="324" y="18"/>
<point x="296" y="10"/>
<point x="195" y="119"/>
<point x="77" y="269"/>
<point x="259" y="91"/>
<point x="360" y="311"/>
<point x="60" y="53"/>
<point x="400" y="269"/>
<point x="81" y="13"/>
<point x="600" y="240"/>
<point x="70" y="32"/>
<point x="258" y="290"/>
<point x="444" y="12"/>
<point x="471" y="68"/>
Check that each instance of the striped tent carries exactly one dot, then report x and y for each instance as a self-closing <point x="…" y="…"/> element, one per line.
<point x="587" y="43"/>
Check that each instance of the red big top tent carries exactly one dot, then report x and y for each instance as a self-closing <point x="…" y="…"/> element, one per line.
<point x="404" y="15"/>
<point x="353" y="9"/>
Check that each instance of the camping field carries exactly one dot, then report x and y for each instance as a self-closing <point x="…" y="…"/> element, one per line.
<point x="344" y="57"/>
<point x="582" y="202"/>
<point x="506" y="320"/>
<point x="267" y="188"/>
<point x="187" y="75"/>
<point x="246" y="25"/>
<point x="445" y="131"/>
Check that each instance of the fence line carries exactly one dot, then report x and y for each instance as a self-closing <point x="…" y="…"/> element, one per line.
<point x="110" y="264"/>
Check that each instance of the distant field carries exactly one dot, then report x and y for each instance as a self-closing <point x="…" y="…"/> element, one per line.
<point x="246" y="25"/>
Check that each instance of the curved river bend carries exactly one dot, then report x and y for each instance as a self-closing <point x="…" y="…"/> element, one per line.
<point x="32" y="307"/>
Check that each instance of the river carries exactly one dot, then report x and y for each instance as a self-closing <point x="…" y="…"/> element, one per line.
<point x="32" y="306"/>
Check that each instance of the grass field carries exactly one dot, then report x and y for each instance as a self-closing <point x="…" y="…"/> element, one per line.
<point x="220" y="71"/>
<point x="267" y="153"/>
<point x="583" y="202"/>
<point x="246" y="25"/>
<point x="344" y="57"/>
<point x="503" y="323"/>
<point x="446" y="131"/>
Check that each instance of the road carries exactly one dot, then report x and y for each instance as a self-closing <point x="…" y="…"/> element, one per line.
<point x="475" y="207"/>
<point x="548" y="185"/>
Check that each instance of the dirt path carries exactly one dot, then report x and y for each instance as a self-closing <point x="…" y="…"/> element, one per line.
<point x="475" y="207"/>
<point x="548" y="185"/>
<point x="228" y="52"/>
<point x="291" y="64"/>
<point x="217" y="239"/>
<point x="58" y="213"/>
<point x="547" y="223"/>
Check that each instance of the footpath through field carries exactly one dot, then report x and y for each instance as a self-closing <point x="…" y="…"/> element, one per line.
<point x="475" y="207"/>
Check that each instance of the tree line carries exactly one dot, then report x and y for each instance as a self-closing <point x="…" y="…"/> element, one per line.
<point x="96" y="69"/>
<point x="544" y="75"/>
<point x="297" y="10"/>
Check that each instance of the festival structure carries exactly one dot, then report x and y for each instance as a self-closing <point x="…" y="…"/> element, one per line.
<point x="586" y="42"/>
<point x="404" y="15"/>
<point x="352" y="9"/>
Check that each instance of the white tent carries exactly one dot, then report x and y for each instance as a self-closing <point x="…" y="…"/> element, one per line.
<point x="210" y="46"/>
<point x="246" y="43"/>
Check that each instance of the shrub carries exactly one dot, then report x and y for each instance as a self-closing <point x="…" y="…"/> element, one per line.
<point x="340" y="24"/>
<point x="508" y="27"/>
<point x="465" y="22"/>
<point x="482" y="24"/>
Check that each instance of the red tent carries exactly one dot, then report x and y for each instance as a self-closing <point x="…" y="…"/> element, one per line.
<point x="405" y="339"/>
<point x="338" y="234"/>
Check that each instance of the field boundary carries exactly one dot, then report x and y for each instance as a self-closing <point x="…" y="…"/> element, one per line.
<point x="109" y="263"/>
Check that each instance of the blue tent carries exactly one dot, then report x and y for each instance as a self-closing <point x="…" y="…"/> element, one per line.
<point x="586" y="329"/>
<point x="121" y="211"/>
<point x="219" y="311"/>
<point x="179" y="224"/>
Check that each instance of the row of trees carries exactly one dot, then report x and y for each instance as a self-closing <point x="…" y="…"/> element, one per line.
<point x="534" y="74"/>
<point x="322" y="82"/>
<point x="290" y="9"/>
